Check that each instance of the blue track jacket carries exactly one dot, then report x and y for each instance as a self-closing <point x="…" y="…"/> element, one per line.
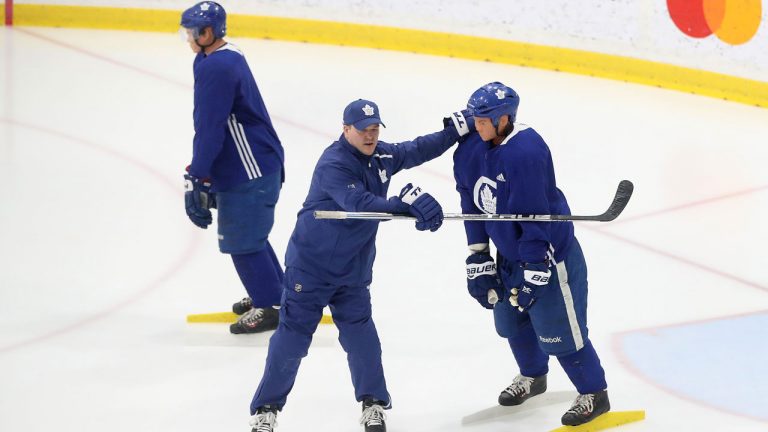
<point x="234" y="138"/>
<point x="341" y="252"/>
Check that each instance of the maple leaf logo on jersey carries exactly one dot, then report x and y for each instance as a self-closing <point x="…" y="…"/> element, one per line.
<point x="368" y="110"/>
<point x="487" y="199"/>
<point x="501" y="94"/>
<point x="205" y="6"/>
<point x="383" y="175"/>
<point x="485" y="195"/>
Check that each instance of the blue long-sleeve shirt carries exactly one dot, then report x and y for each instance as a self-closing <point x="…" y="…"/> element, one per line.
<point x="341" y="252"/>
<point x="234" y="138"/>
<point x="515" y="177"/>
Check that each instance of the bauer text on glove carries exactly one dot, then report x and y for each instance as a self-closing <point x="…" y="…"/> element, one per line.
<point x="483" y="282"/>
<point x="536" y="276"/>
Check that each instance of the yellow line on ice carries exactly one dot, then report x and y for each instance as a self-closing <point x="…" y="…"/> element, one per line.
<point x="743" y="90"/>
<point x="229" y="318"/>
<point x="608" y="420"/>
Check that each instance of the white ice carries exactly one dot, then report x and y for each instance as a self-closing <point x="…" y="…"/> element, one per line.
<point x="99" y="265"/>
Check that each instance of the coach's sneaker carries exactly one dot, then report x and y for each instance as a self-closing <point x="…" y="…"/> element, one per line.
<point x="265" y="419"/>
<point x="586" y="407"/>
<point x="373" y="416"/>
<point x="242" y="306"/>
<point x="256" y="320"/>
<point x="521" y="389"/>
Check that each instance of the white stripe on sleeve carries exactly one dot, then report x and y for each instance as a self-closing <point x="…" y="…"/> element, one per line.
<point x="239" y="145"/>
<point x="248" y="150"/>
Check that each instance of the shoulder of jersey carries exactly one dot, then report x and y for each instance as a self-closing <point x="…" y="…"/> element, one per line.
<point x="384" y="148"/>
<point x="231" y="48"/>
<point x="522" y="130"/>
<point x="224" y="57"/>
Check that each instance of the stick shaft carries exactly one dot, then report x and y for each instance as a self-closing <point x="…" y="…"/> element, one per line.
<point x="620" y="200"/>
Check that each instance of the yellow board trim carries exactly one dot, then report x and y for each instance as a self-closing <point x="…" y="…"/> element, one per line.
<point x="746" y="91"/>
<point x="111" y="18"/>
<point x="606" y="421"/>
<point x="229" y="318"/>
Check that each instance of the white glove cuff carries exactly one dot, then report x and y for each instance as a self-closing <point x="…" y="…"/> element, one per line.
<point x="487" y="268"/>
<point x="460" y="123"/>
<point x="412" y="195"/>
<point x="538" y="278"/>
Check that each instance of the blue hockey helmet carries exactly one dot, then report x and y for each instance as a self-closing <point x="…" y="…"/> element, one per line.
<point x="205" y="14"/>
<point x="494" y="100"/>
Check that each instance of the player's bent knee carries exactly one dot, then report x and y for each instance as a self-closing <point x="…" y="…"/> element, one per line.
<point x="299" y="318"/>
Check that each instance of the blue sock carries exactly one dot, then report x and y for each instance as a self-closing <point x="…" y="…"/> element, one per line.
<point x="276" y="264"/>
<point x="530" y="358"/>
<point x="261" y="274"/>
<point x="584" y="370"/>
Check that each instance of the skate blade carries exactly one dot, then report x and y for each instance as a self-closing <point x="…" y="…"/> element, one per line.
<point x="230" y="318"/>
<point x="606" y="421"/>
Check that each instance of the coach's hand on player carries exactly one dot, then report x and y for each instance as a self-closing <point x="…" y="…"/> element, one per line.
<point x="483" y="283"/>
<point x="535" y="276"/>
<point x="421" y="205"/>
<point x="198" y="199"/>
<point x="462" y="121"/>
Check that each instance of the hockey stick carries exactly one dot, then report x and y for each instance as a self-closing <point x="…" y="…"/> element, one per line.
<point x="620" y="201"/>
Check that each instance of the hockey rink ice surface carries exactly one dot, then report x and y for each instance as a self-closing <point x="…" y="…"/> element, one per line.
<point x="99" y="265"/>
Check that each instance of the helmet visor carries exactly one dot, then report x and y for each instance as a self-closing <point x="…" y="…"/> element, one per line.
<point x="189" y="34"/>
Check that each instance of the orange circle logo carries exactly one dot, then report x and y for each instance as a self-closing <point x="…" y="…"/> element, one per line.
<point x="732" y="21"/>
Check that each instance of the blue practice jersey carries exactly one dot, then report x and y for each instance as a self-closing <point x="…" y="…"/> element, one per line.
<point x="234" y="138"/>
<point x="341" y="252"/>
<point x="514" y="177"/>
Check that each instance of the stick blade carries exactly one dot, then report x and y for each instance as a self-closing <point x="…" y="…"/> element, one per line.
<point x="620" y="201"/>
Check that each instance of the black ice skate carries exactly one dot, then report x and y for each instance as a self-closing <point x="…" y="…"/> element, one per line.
<point x="586" y="407"/>
<point x="256" y="320"/>
<point x="521" y="389"/>
<point x="242" y="306"/>
<point x="373" y="416"/>
<point x="265" y="419"/>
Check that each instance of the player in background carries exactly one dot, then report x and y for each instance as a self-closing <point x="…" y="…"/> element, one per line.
<point x="330" y="262"/>
<point x="237" y="164"/>
<point x="506" y="167"/>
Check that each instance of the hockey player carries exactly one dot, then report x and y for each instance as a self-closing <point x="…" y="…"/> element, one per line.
<point x="237" y="164"/>
<point x="330" y="262"/>
<point x="506" y="167"/>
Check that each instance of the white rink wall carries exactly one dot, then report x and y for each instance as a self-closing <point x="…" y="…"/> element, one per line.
<point x="632" y="28"/>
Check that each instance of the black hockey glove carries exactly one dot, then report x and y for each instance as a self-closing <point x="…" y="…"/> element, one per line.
<point x="483" y="282"/>
<point x="535" y="277"/>
<point x="198" y="199"/>
<point x="428" y="213"/>
<point x="462" y="121"/>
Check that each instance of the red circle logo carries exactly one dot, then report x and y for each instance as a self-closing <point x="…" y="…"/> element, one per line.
<point x="732" y="21"/>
